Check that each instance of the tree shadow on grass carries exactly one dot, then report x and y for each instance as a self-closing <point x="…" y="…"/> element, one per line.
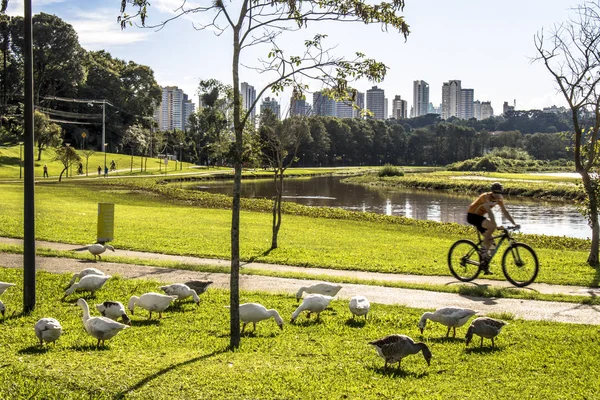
<point x="13" y="315"/>
<point x="253" y="258"/>
<point x="4" y="160"/>
<point x="308" y="322"/>
<point x="163" y="371"/>
<point x="483" y="350"/>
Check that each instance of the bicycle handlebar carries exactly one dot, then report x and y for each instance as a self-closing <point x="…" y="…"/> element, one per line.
<point x="510" y="228"/>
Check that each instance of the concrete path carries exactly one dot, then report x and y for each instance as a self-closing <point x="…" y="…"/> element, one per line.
<point x="526" y="309"/>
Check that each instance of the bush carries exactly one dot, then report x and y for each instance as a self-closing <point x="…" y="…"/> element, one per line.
<point x="390" y="170"/>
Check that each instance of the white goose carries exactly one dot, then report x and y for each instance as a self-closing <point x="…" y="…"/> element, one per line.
<point x="4" y="286"/>
<point x="151" y="302"/>
<point x="85" y="272"/>
<point x="47" y="330"/>
<point x="393" y="348"/>
<point x="326" y="289"/>
<point x="90" y="283"/>
<point x="254" y="312"/>
<point x="359" y="305"/>
<point x="312" y="303"/>
<point x="199" y="286"/>
<point x="101" y="328"/>
<point x="182" y="291"/>
<point x="485" y="327"/>
<point x="96" y="249"/>
<point x="452" y="317"/>
<point x="113" y="310"/>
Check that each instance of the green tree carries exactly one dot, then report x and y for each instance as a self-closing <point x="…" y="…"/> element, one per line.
<point x="47" y="134"/>
<point x="67" y="157"/>
<point x="570" y="54"/>
<point x="264" y="21"/>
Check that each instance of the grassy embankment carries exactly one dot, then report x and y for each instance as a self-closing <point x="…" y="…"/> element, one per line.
<point x="184" y="355"/>
<point x="164" y="219"/>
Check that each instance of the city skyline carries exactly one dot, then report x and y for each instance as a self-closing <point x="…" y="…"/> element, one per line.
<point x="470" y="43"/>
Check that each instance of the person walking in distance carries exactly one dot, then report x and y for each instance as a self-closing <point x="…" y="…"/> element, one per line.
<point x="99" y="170"/>
<point x="45" y="171"/>
<point x="476" y="216"/>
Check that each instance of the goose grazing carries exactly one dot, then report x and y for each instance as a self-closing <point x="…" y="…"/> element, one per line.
<point x="326" y="289"/>
<point x="113" y="310"/>
<point x="452" y="317"/>
<point x="359" y="305"/>
<point x="101" y="328"/>
<point x="313" y="303"/>
<point x="199" y="286"/>
<point x="254" y="312"/>
<point x="151" y="302"/>
<point x="393" y="348"/>
<point x="47" y="330"/>
<point x="96" y="249"/>
<point x="85" y="272"/>
<point x="485" y="327"/>
<point x="2" y="308"/>
<point x="182" y="291"/>
<point x="4" y="286"/>
<point x="90" y="283"/>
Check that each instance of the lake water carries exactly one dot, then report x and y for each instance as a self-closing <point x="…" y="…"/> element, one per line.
<point x="540" y="217"/>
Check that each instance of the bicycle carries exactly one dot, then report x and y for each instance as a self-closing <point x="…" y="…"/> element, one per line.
<point x="520" y="264"/>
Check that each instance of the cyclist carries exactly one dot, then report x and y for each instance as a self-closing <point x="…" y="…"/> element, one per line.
<point x="476" y="215"/>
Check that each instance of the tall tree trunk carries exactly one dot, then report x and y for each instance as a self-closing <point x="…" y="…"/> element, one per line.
<point x="276" y="206"/>
<point x="589" y="186"/>
<point x="39" y="153"/>
<point x="142" y="163"/>
<point x="131" y="163"/>
<point x="234" y="282"/>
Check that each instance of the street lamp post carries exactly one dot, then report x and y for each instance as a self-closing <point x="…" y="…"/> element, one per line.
<point x="68" y="159"/>
<point x="20" y="160"/>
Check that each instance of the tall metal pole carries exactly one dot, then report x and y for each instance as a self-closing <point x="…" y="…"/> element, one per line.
<point x="103" y="126"/>
<point x="29" y="179"/>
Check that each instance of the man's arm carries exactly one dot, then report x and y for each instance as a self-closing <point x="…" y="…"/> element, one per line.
<point x="507" y="214"/>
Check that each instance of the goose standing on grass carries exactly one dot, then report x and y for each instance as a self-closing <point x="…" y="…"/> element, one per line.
<point x="96" y="249"/>
<point x="199" y="286"/>
<point x="153" y="302"/>
<point x="4" y="286"/>
<point x="47" y="330"/>
<point x="393" y="348"/>
<point x="254" y="312"/>
<point x="182" y="291"/>
<point x="101" y="328"/>
<point x="85" y="272"/>
<point x="452" y="317"/>
<point x="90" y="283"/>
<point x="359" y="305"/>
<point x="113" y="310"/>
<point x="326" y="289"/>
<point x="313" y="303"/>
<point x="485" y="327"/>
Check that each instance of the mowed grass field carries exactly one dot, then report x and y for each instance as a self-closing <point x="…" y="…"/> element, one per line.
<point x="147" y="221"/>
<point x="184" y="355"/>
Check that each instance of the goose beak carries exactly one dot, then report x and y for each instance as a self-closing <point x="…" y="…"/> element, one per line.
<point x="421" y="329"/>
<point x="281" y="326"/>
<point x="3" y="312"/>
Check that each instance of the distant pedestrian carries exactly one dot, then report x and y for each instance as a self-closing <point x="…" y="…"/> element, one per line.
<point x="99" y="170"/>
<point x="80" y="169"/>
<point x="105" y="171"/>
<point x="113" y="166"/>
<point x="45" y="171"/>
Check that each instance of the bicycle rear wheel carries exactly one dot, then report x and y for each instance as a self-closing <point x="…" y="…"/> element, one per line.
<point x="463" y="260"/>
<point x="520" y="264"/>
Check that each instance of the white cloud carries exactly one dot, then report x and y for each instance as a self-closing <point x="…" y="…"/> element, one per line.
<point x="99" y="29"/>
<point x="16" y="7"/>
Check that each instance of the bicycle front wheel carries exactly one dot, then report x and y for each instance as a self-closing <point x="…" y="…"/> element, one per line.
<point x="520" y="264"/>
<point x="463" y="260"/>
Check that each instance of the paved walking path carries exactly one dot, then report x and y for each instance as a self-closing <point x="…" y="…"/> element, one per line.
<point x="526" y="309"/>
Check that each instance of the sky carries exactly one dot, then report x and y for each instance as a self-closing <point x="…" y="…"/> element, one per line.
<point x="488" y="45"/>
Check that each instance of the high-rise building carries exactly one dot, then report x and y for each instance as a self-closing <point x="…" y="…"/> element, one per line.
<point x="506" y="108"/>
<point x="376" y="102"/>
<point x="350" y="108"/>
<point x="451" y="97"/>
<point x="272" y="105"/>
<point x="399" y="108"/>
<point x="360" y="104"/>
<point x="248" y="94"/>
<point x="466" y="103"/>
<point x="323" y="105"/>
<point x="477" y="110"/>
<point x="174" y="109"/>
<point x="299" y="106"/>
<point x="420" y="98"/>
<point x="486" y="110"/>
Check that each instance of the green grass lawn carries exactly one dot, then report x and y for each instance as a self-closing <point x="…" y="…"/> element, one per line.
<point x="185" y="355"/>
<point x="150" y="222"/>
